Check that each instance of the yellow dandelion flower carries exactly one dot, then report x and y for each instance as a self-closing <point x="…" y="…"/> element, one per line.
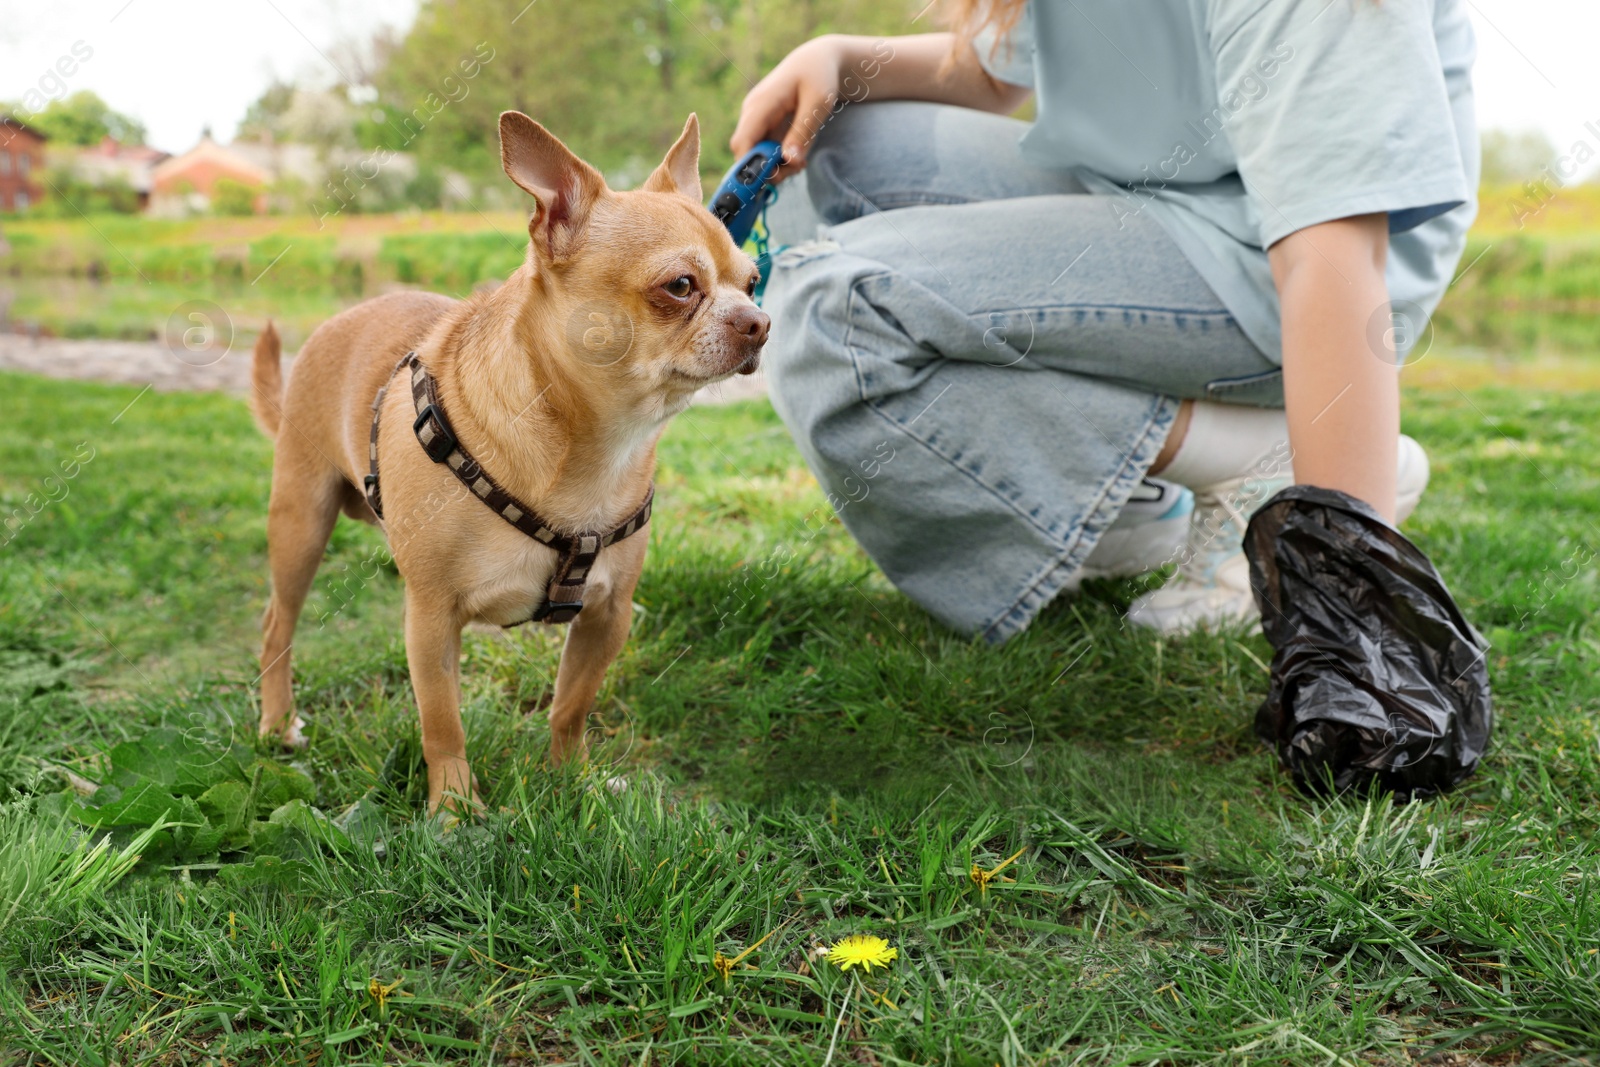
<point x="862" y="950"/>
<point x="724" y="966"/>
<point x="981" y="878"/>
<point x="381" y="993"/>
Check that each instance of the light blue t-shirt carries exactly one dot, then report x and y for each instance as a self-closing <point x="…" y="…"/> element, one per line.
<point x="1237" y="122"/>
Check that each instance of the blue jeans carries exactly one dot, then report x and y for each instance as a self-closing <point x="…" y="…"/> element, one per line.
<point x="977" y="360"/>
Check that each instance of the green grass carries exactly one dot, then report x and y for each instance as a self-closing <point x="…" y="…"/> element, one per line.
<point x="810" y="756"/>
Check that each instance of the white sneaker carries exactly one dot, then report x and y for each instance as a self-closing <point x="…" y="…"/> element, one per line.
<point x="1212" y="586"/>
<point x="1412" y="479"/>
<point x="1148" y="533"/>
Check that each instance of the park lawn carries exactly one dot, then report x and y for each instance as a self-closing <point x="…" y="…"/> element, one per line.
<point x="809" y="757"/>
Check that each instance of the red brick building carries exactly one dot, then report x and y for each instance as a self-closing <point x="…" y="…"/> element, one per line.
<point x="110" y="160"/>
<point x="187" y="182"/>
<point x="21" y="165"/>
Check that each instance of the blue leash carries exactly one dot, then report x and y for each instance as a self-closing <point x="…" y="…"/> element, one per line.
<point x="760" y="237"/>
<point x="740" y="203"/>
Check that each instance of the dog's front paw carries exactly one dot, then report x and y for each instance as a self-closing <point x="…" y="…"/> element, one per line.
<point x="453" y="792"/>
<point x="294" y="734"/>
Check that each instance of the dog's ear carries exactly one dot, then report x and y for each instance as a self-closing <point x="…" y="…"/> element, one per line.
<point x="680" y="171"/>
<point x="565" y="187"/>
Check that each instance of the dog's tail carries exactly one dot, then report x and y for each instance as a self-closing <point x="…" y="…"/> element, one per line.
<point x="266" y="382"/>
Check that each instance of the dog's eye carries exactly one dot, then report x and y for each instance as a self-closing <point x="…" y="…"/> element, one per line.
<point x="750" y="286"/>
<point x="679" y="288"/>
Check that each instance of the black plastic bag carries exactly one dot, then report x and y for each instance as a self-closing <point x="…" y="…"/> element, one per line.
<point x="1376" y="677"/>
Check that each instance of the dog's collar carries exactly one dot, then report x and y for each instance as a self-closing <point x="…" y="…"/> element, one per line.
<point x="564" y="595"/>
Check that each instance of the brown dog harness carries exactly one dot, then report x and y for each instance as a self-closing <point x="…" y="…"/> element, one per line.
<point x="564" y="595"/>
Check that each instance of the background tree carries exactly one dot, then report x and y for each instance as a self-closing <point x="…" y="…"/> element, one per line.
<point x="285" y="114"/>
<point x="615" y="81"/>
<point x="262" y="119"/>
<point x="68" y="195"/>
<point x="85" y="119"/>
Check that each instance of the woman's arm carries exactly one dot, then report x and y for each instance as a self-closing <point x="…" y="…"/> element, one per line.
<point x="827" y="73"/>
<point x="1340" y="382"/>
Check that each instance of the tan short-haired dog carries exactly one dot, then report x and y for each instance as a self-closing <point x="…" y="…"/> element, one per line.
<point x="515" y="432"/>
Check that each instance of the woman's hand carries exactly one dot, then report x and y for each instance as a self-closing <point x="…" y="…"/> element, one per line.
<point x="828" y="73"/>
<point x="793" y="101"/>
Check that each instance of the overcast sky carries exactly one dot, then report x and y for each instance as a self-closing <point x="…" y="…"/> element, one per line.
<point x="180" y="65"/>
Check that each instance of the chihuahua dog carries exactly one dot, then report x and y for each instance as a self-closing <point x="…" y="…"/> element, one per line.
<point x="516" y="445"/>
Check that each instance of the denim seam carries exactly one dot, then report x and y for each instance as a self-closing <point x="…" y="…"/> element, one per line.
<point x="1049" y="580"/>
<point x="913" y="198"/>
<point x="1211" y="313"/>
<point x="1246" y="379"/>
<point x="860" y="202"/>
<point x="905" y="428"/>
<point x="849" y="332"/>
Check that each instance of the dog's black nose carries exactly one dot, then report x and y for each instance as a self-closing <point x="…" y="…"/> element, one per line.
<point x="751" y="324"/>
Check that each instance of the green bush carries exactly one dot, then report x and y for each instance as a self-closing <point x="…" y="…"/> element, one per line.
<point x="1528" y="270"/>
<point x="67" y="195"/>
<point x="349" y="274"/>
<point x="229" y="197"/>
<point x="228" y="268"/>
<point x="174" y="263"/>
<point x="26" y="255"/>
<point x="452" y="261"/>
<point x="292" y="262"/>
<point x="1574" y="273"/>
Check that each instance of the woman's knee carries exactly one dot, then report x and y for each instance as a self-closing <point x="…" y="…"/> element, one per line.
<point x="867" y="153"/>
<point x="903" y="153"/>
<point x="855" y="151"/>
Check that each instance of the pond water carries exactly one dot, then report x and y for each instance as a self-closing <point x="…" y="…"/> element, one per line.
<point x="132" y="310"/>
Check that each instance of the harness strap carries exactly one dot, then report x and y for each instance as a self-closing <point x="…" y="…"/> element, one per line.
<point x="564" y="593"/>
<point x="369" y="484"/>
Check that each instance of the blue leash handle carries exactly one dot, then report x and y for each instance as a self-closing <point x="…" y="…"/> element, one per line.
<point x="740" y="203"/>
